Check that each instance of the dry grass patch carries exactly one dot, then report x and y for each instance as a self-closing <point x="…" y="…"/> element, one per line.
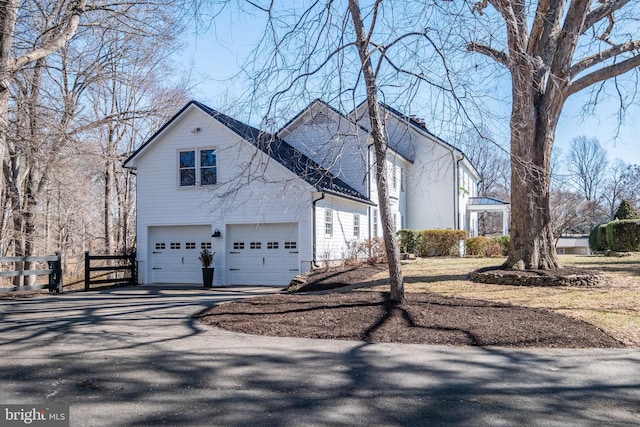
<point x="614" y="307"/>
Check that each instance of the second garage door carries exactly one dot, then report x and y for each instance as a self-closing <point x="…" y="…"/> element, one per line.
<point x="263" y="255"/>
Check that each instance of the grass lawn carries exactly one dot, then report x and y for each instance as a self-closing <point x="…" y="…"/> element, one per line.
<point x="614" y="308"/>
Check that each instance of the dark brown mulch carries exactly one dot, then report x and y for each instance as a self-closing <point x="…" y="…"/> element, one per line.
<point x="424" y="319"/>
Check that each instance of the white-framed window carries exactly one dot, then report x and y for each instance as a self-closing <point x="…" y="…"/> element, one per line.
<point x="328" y="222"/>
<point x="375" y="223"/>
<point x="356" y="225"/>
<point x="197" y="167"/>
<point x="403" y="178"/>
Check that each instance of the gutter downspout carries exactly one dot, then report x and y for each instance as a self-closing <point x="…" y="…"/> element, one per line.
<point x="313" y="227"/>
<point x="456" y="189"/>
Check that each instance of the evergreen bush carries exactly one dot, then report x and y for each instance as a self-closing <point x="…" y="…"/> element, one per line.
<point x="623" y="235"/>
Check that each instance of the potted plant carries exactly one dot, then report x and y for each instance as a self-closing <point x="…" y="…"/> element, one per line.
<point x="206" y="258"/>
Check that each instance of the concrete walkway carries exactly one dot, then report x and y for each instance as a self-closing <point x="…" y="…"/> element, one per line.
<point x="134" y="357"/>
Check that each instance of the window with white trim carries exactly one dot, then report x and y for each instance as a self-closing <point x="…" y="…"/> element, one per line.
<point x="197" y="167"/>
<point x="328" y="223"/>
<point x="375" y="223"/>
<point x="356" y="225"/>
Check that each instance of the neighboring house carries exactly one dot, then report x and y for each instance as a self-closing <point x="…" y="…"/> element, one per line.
<point x="273" y="206"/>
<point x="573" y="245"/>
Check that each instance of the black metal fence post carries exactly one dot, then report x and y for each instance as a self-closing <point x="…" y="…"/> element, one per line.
<point x="87" y="271"/>
<point x="55" y="277"/>
<point x="134" y="269"/>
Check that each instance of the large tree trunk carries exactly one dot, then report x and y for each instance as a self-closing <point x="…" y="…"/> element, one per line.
<point x="534" y="118"/>
<point x="378" y="133"/>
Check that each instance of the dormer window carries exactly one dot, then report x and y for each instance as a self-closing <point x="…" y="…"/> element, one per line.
<point x="198" y="167"/>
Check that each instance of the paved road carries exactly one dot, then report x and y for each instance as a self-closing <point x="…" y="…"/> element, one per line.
<point x="134" y="357"/>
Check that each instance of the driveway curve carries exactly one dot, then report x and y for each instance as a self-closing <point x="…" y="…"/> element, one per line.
<point x="135" y="357"/>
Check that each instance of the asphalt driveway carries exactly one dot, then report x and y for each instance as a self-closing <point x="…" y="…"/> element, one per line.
<point x="134" y="357"/>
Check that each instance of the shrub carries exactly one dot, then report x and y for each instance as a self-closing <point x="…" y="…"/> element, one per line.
<point x="623" y="235"/>
<point x="483" y="246"/>
<point x="375" y="250"/>
<point x="626" y="210"/>
<point x="408" y="240"/>
<point x="598" y="237"/>
<point x="475" y="245"/>
<point x="505" y="244"/>
<point x="493" y="249"/>
<point x="440" y="242"/>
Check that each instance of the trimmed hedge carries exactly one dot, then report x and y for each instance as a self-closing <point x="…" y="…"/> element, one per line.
<point x="623" y="235"/>
<point x="598" y="237"/>
<point x="439" y="242"/>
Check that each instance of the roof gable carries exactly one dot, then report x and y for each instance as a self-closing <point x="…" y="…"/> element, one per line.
<point x="275" y="147"/>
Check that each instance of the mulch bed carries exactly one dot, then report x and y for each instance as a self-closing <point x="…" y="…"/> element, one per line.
<point x="424" y="319"/>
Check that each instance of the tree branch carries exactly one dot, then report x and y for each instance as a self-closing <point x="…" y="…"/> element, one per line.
<point x="492" y="53"/>
<point x="604" y="74"/>
<point x="600" y="57"/>
<point x="607" y="8"/>
<point x="54" y="44"/>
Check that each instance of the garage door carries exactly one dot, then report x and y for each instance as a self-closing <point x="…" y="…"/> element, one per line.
<point x="263" y="255"/>
<point x="175" y="252"/>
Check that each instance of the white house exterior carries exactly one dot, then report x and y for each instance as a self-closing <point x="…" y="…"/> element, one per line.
<point x="271" y="207"/>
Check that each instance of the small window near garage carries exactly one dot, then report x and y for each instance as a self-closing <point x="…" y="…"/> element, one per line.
<point x="328" y="222"/>
<point x="205" y="245"/>
<point x="272" y="245"/>
<point x="290" y="245"/>
<point x="175" y="245"/>
<point x="356" y="225"/>
<point x="190" y="245"/>
<point x="255" y="245"/>
<point x="161" y="246"/>
<point x="238" y="245"/>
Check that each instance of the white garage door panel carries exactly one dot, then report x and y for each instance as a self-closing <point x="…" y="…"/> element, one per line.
<point x="175" y="253"/>
<point x="263" y="255"/>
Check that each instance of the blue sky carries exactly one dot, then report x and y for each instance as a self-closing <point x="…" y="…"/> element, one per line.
<point x="214" y="57"/>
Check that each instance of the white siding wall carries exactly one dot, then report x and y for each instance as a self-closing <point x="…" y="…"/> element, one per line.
<point x="336" y="247"/>
<point x="283" y="197"/>
<point x="332" y="141"/>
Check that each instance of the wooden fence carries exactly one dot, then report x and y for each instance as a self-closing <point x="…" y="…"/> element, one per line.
<point x="108" y="270"/>
<point x="54" y="272"/>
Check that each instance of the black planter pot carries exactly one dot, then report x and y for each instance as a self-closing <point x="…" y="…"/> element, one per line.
<point x="207" y="277"/>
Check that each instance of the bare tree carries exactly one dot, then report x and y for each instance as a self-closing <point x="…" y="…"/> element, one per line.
<point x="552" y="50"/>
<point x="344" y="53"/>
<point x="587" y="165"/>
<point x="615" y="185"/>
<point x="49" y="39"/>
<point x="378" y="133"/>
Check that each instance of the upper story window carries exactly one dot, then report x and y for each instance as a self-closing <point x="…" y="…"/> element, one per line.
<point x="403" y="178"/>
<point x="198" y="167"/>
<point x="328" y="222"/>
